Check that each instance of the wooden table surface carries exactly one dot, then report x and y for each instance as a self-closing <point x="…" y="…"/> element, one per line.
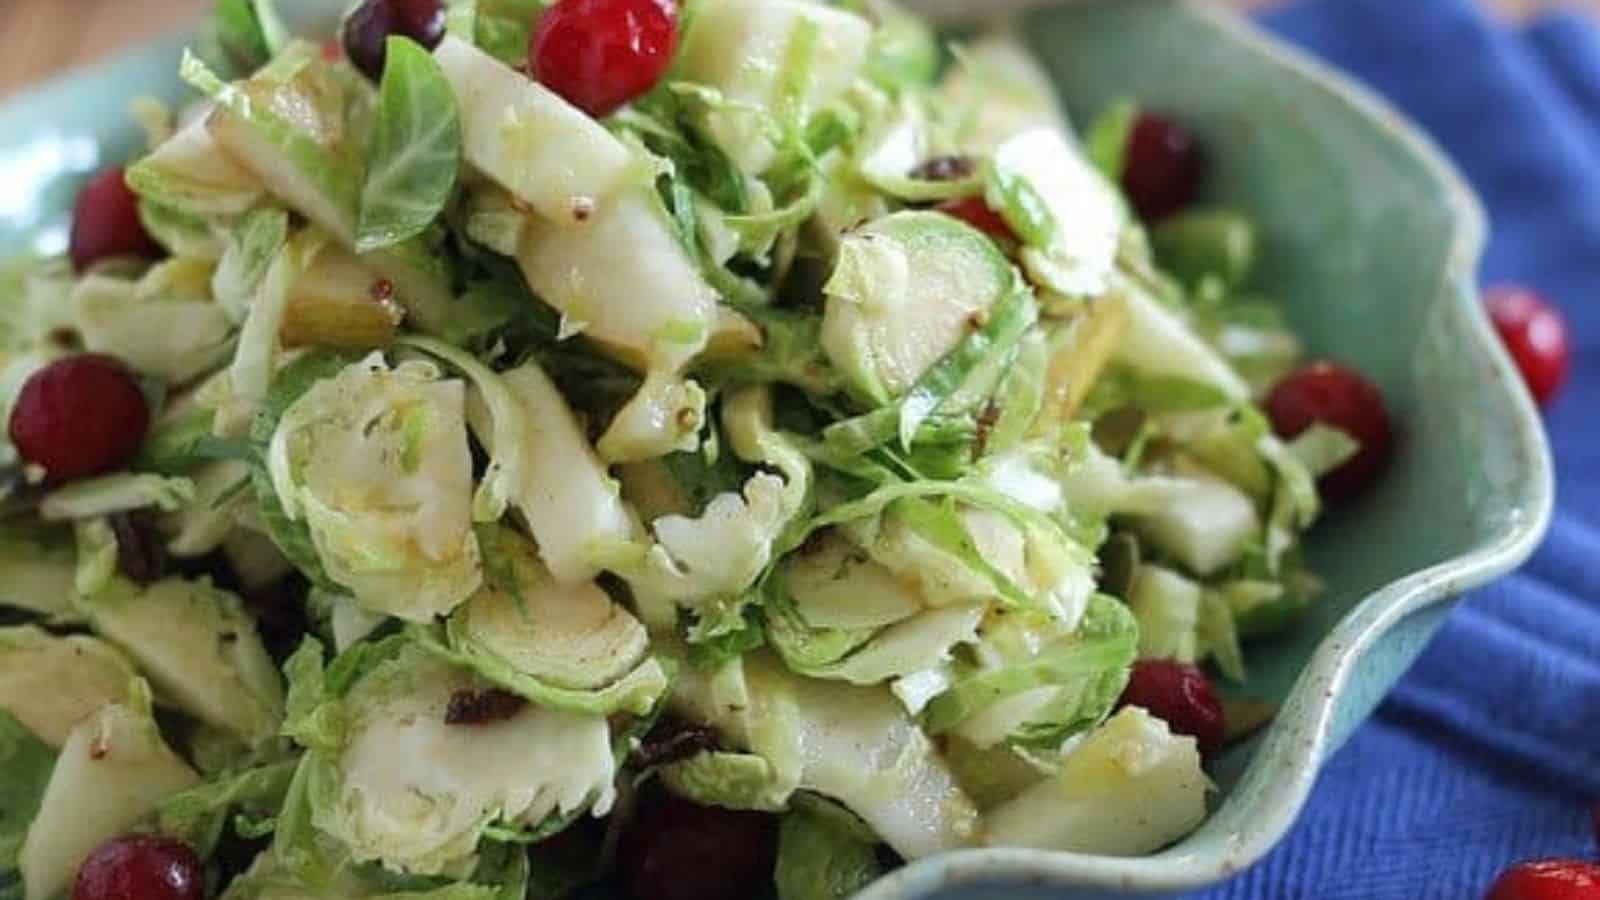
<point x="39" y="38"/>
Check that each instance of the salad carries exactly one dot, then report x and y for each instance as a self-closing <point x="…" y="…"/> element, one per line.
<point x="523" y="449"/>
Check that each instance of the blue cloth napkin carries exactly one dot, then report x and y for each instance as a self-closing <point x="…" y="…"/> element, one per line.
<point x="1489" y="750"/>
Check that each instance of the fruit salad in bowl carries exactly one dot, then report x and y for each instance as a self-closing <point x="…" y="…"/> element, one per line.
<point x="628" y="448"/>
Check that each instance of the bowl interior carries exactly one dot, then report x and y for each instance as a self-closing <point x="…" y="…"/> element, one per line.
<point x="1371" y="244"/>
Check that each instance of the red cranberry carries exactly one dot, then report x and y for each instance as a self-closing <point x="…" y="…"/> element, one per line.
<point x="1536" y="336"/>
<point x="1548" y="879"/>
<point x="1162" y="168"/>
<point x="79" y="416"/>
<point x="369" y="26"/>
<point x="1335" y="396"/>
<point x="140" y="867"/>
<point x="677" y="850"/>
<point x="975" y="212"/>
<point x="106" y="224"/>
<point x="1180" y="695"/>
<point x="600" y="54"/>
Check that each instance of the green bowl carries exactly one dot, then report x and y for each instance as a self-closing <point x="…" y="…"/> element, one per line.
<point x="1372" y="243"/>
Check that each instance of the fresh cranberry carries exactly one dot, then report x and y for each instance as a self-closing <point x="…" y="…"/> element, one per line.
<point x="140" y="867"/>
<point x="1536" y="336"/>
<point x="105" y="222"/>
<point x="369" y="26"/>
<point x="1548" y="879"/>
<point x="600" y="54"/>
<point x="1180" y="695"/>
<point x="79" y="416"/>
<point x="678" y="850"/>
<point x="975" y="212"/>
<point x="1162" y="168"/>
<point x="1335" y="396"/>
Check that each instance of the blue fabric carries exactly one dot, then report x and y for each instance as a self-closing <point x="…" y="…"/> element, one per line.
<point x="1489" y="750"/>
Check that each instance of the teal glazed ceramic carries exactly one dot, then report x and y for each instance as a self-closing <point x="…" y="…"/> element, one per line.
<point x="1372" y="245"/>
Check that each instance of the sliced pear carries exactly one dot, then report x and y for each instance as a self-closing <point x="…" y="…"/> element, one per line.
<point x="200" y="648"/>
<point x="1131" y="787"/>
<point x="529" y="140"/>
<point x="553" y="477"/>
<point x="51" y="683"/>
<point x="623" y="278"/>
<point x="113" y="771"/>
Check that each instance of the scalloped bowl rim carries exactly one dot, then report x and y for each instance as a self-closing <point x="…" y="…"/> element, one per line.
<point x="1330" y="667"/>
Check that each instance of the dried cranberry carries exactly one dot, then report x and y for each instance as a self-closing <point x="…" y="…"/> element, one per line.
<point x="369" y="26"/>
<point x="978" y="214"/>
<point x="600" y="54"/>
<point x="1162" y="168"/>
<point x="1548" y="879"/>
<point x="482" y="707"/>
<point x="1338" y="397"/>
<point x="1535" y="334"/>
<point x="1180" y="695"/>
<point x="671" y="740"/>
<point x="946" y="168"/>
<point x="141" y="552"/>
<point x="79" y="416"/>
<point x="106" y="223"/>
<point x="677" y="850"/>
<point x="141" y="867"/>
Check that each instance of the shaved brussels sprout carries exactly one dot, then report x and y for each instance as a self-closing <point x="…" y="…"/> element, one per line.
<point x="906" y="290"/>
<point x="1037" y="681"/>
<point x="402" y="773"/>
<point x="561" y="645"/>
<point x="708" y="564"/>
<point x="764" y="54"/>
<point x="834" y="584"/>
<point x="375" y="461"/>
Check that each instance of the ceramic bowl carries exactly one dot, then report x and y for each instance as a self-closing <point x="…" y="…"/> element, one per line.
<point x="1372" y="244"/>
